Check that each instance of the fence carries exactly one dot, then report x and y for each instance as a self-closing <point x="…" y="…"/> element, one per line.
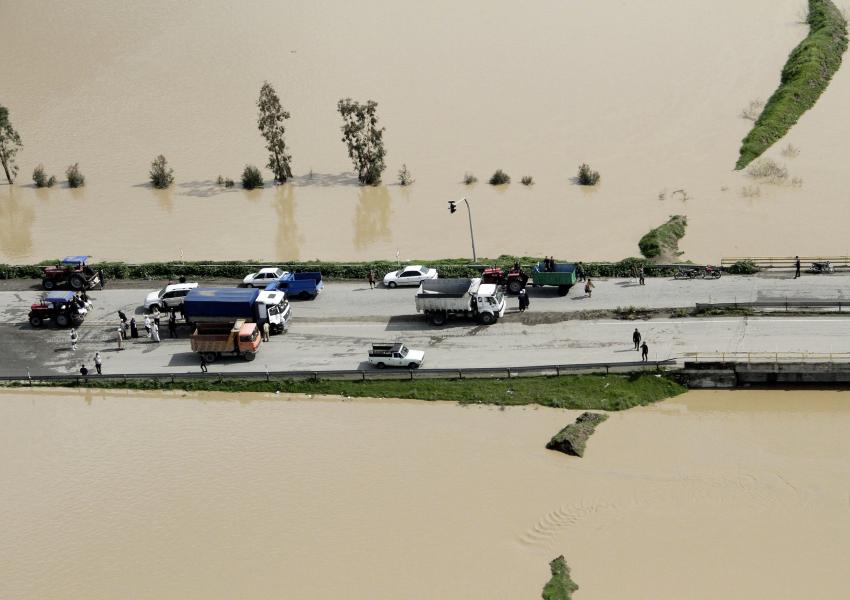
<point x="786" y="305"/>
<point x="362" y="374"/>
<point x="762" y="357"/>
<point x="785" y="262"/>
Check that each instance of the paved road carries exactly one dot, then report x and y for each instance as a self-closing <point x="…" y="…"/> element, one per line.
<point x="334" y="331"/>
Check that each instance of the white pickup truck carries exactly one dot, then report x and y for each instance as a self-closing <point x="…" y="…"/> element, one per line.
<point x="395" y="355"/>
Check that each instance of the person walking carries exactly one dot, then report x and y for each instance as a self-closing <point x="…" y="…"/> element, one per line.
<point x="98" y="363"/>
<point x="74" y="338"/>
<point x="371" y="279"/>
<point x="148" y="323"/>
<point x="156" y="317"/>
<point x="796" y="267"/>
<point x="266" y="331"/>
<point x="172" y="325"/>
<point x="134" y="330"/>
<point x="155" y="332"/>
<point x="588" y="288"/>
<point x="641" y="274"/>
<point x="636" y="339"/>
<point x="120" y="334"/>
<point x="203" y="364"/>
<point x="579" y="272"/>
<point x="84" y="371"/>
<point x="100" y="277"/>
<point x="523" y="301"/>
<point x="644" y="352"/>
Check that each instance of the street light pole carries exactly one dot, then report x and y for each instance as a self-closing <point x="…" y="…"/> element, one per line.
<point x="471" y="234"/>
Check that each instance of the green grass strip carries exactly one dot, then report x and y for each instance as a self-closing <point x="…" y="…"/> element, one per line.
<point x="560" y="586"/>
<point x="805" y="76"/>
<point x="596" y="392"/>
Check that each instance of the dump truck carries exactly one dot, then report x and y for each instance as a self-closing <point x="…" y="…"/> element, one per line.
<point x="73" y="272"/>
<point x="439" y="299"/>
<point x="225" y="305"/>
<point x="238" y="338"/>
<point x="562" y="275"/>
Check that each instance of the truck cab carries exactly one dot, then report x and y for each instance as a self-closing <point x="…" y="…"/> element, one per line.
<point x="274" y="307"/>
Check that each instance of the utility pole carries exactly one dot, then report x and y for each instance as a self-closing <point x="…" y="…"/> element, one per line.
<point x="452" y="209"/>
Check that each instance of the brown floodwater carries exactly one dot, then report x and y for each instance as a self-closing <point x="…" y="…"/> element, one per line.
<point x="634" y="89"/>
<point x="734" y="495"/>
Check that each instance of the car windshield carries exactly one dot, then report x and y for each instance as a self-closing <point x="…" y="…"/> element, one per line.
<point x="161" y="293"/>
<point x="424" y="270"/>
<point x="403" y="351"/>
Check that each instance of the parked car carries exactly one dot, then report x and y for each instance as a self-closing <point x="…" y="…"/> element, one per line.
<point x="263" y="277"/>
<point x="410" y="275"/>
<point x="169" y="297"/>
<point x="395" y="355"/>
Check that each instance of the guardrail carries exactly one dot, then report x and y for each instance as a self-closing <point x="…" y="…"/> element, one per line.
<point x="761" y="357"/>
<point x="362" y="374"/>
<point x="780" y="304"/>
<point x="785" y="262"/>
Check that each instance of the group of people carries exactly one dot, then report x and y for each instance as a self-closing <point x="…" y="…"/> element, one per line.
<point x="549" y="263"/>
<point x="151" y="325"/>
<point x="98" y="364"/>
<point x="643" y="347"/>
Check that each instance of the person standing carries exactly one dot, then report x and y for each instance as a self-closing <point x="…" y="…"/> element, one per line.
<point x="644" y="352"/>
<point x="155" y="332"/>
<point x="98" y="363"/>
<point x="588" y="287"/>
<point x="148" y="323"/>
<point x="796" y="267"/>
<point x="84" y="371"/>
<point x="523" y="301"/>
<point x="203" y="364"/>
<point x="134" y="330"/>
<point x="172" y="325"/>
<point x="266" y="331"/>
<point x="74" y="338"/>
<point x="100" y="277"/>
<point x="156" y="317"/>
<point x="120" y="334"/>
<point x="371" y="278"/>
<point x="579" y="272"/>
<point x="641" y="274"/>
<point x="636" y="339"/>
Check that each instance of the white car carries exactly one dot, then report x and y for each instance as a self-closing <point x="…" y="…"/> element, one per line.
<point x="410" y="275"/>
<point x="263" y="277"/>
<point x="171" y="296"/>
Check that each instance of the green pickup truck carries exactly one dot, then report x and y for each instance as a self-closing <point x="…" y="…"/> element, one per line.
<point x="563" y="276"/>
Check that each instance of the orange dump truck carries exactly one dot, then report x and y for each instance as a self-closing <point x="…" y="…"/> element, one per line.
<point x="212" y="340"/>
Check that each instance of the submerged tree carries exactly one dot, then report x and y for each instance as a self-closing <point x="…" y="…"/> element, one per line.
<point x="10" y="143"/>
<point x="270" y="120"/>
<point x="161" y="174"/>
<point x="364" y="139"/>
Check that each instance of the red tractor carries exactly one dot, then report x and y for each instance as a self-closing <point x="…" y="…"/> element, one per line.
<point x="514" y="280"/>
<point x="72" y="272"/>
<point x="65" y="309"/>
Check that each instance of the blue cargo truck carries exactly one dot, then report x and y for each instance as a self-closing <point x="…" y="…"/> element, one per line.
<point x="305" y="285"/>
<point x="226" y="305"/>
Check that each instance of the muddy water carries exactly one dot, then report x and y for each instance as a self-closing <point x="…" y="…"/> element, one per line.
<point x="711" y="495"/>
<point x="634" y="89"/>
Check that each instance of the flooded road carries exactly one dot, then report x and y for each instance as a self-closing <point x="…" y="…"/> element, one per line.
<point x="631" y="88"/>
<point x="106" y="495"/>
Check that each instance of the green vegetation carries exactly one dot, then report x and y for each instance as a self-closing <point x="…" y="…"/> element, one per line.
<point x="586" y="176"/>
<point x="768" y="170"/>
<point x="560" y="586"/>
<point x="161" y="174"/>
<point x="597" y="392"/>
<point x="251" y="178"/>
<point x="41" y="179"/>
<point x="572" y="439"/>
<point x="469" y="179"/>
<point x="527" y="180"/>
<point x="271" y="122"/>
<point x="10" y="144"/>
<point x="663" y="241"/>
<point x="405" y="177"/>
<point x="743" y="267"/>
<point x="75" y="177"/>
<point x="499" y="178"/>
<point x="805" y="76"/>
<point x="363" y="138"/>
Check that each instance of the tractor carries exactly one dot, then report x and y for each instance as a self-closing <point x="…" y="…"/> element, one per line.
<point x="65" y="309"/>
<point x="514" y="280"/>
<point x="73" y="272"/>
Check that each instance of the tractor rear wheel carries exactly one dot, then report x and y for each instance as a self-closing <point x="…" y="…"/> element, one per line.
<point x="77" y="282"/>
<point x="515" y="286"/>
<point x="62" y="320"/>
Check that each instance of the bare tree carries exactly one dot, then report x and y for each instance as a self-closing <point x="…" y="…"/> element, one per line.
<point x="364" y="139"/>
<point x="271" y="123"/>
<point x="10" y="143"/>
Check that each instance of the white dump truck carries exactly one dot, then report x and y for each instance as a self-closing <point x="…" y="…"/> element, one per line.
<point x="440" y="298"/>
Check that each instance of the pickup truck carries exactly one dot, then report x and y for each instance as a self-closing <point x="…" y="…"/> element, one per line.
<point x="395" y="355"/>
<point x="212" y="340"/>
<point x="306" y="285"/>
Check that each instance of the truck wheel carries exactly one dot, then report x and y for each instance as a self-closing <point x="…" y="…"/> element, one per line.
<point x="249" y="356"/>
<point x="210" y="357"/>
<point x="381" y="365"/>
<point x="487" y="318"/>
<point x="392" y="284"/>
<point x="563" y="290"/>
<point x="413" y="366"/>
<point x="437" y="318"/>
<point x="304" y="296"/>
<point x="48" y="284"/>
<point x="62" y="320"/>
<point x="515" y="286"/>
<point x="77" y="282"/>
<point x="36" y="321"/>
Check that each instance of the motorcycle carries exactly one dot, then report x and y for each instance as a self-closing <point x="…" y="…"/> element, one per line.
<point x="822" y="267"/>
<point x="711" y="272"/>
<point x="686" y="273"/>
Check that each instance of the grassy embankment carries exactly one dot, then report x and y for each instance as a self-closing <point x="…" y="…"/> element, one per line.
<point x="597" y="392"/>
<point x="572" y="439"/>
<point x="663" y="242"/>
<point x="560" y="586"/>
<point x="805" y="76"/>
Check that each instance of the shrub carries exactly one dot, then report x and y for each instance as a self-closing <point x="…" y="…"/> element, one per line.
<point x="768" y="169"/>
<point x="560" y="586"/>
<point x="573" y="438"/>
<point x="743" y="267"/>
<point x="500" y="178"/>
<point x="752" y="112"/>
<point x="664" y="240"/>
<point x="527" y="180"/>
<point x="161" y="175"/>
<point x="251" y="178"/>
<point x="586" y="176"/>
<point x="469" y="179"/>
<point x="404" y="176"/>
<point x="75" y="177"/>
<point x="41" y="179"/>
<point x="220" y="180"/>
<point x="791" y="151"/>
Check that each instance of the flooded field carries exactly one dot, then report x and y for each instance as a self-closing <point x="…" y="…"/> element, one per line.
<point x="634" y="89"/>
<point x="732" y="495"/>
